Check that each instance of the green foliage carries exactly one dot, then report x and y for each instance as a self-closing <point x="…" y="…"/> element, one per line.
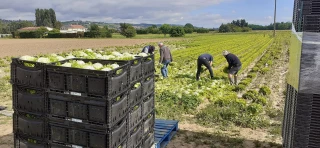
<point x="188" y="28"/>
<point x="252" y="75"/>
<point x="279" y="26"/>
<point x="255" y="97"/>
<point x="265" y="70"/>
<point x="171" y="104"/>
<point x="231" y="110"/>
<point x="127" y="30"/>
<point x="46" y="17"/>
<point x="201" y="30"/>
<point x="255" y="69"/>
<point x="39" y="33"/>
<point x="265" y="90"/>
<point x="235" y="26"/>
<point x="240" y="87"/>
<point x="165" y="29"/>
<point x="177" y="31"/>
<point x="254" y="109"/>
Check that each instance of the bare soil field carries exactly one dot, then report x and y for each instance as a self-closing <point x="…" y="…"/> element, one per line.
<point x="17" y="47"/>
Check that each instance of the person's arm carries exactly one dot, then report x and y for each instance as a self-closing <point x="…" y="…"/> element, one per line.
<point x="229" y="62"/>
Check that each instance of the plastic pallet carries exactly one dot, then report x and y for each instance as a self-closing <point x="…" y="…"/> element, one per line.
<point x="28" y="73"/>
<point x="164" y="131"/>
<point x="91" y="110"/>
<point x="84" y="82"/>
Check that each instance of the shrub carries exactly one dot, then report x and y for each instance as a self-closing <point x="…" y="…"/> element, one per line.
<point x="177" y="31"/>
<point x="265" y="90"/>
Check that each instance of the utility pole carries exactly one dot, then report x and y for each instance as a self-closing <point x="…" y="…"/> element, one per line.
<point x="274" y="21"/>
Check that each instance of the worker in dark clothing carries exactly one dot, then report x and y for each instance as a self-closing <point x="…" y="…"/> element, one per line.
<point x="148" y="49"/>
<point x="234" y="66"/>
<point x="206" y="60"/>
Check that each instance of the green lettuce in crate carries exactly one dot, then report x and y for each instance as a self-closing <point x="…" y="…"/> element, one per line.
<point x="89" y="65"/>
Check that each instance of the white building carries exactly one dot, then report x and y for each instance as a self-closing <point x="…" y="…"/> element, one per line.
<point x="73" y="29"/>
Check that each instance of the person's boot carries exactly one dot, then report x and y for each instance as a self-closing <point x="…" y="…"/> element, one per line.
<point x="235" y="80"/>
<point x="231" y="82"/>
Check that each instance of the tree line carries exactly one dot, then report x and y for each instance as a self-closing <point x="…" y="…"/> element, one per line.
<point x="243" y="26"/>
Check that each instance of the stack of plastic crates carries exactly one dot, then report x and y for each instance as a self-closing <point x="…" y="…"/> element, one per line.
<point x="59" y="106"/>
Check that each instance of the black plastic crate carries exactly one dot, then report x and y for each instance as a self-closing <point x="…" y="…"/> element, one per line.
<point x="28" y="73"/>
<point x="135" y="95"/>
<point x="21" y="142"/>
<point x="135" y="116"/>
<point x="148" y="140"/>
<point x="135" y="137"/>
<point x="27" y="99"/>
<point x="30" y="125"/>
<point x="148" y="85"/>
<point x="148" y="123"/>
<point x="57" y="145"/>
<point x="84" y="82"/>
<point x="148" y="65"/>
<point x="148" y="105"/>
<point x="92" y="110"/>
<point x="79" y="134"/>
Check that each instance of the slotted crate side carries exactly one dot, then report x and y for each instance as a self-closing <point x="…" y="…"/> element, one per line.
<point x="97" y="111"/>
<point x="28" y="73"/>
<point x="148" y="67"/>
<point x="148" y="123"/>
<point x="23" y="142"/>
<point x="148" y="140"/>
<point x="135" y="95"/>
<point x="84" y="82"/>
<point x="135" y="116"/>
<point x="148" y="86"/>
<point x="30" y="100"/>
<point x="29" y="125"/>
<point x="135" y="137"/>
<point x="78" y="134"/>
<point x="148" y="105"/>
<point x="57" y="145"/>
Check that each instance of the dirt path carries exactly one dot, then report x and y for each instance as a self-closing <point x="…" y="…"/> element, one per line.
<point x="16" y="47"/>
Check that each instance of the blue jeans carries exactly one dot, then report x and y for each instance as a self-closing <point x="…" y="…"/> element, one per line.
<point x="164" y="68"/>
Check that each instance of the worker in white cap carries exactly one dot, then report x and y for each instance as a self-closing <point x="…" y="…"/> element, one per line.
<point x="234" y="66"/>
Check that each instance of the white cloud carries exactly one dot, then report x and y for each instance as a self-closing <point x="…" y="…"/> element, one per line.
<point x="129" y="11"/>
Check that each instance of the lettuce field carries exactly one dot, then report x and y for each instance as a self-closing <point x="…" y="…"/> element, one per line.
<point x="212" y="113"/>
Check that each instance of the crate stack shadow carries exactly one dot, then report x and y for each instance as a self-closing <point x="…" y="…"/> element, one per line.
<point x="59" y="106"/>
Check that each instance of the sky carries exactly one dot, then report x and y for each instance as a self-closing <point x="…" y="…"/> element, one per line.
<point x="200" y="13"/>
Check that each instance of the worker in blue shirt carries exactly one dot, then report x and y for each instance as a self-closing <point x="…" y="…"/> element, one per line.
<point x="234" y="66"/>
<point x="206" y="60"/>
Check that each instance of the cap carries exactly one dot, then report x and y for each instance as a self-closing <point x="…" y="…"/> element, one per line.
<point x="225" y="52"/>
